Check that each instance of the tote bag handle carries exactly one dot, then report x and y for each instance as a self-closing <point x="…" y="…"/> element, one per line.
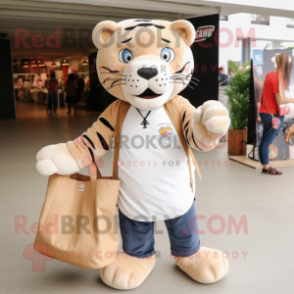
<point x="122" y="110"/>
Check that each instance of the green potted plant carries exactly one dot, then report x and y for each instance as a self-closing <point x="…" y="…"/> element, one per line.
<point x="233" y="67"/>
<point x="238" y="100"/>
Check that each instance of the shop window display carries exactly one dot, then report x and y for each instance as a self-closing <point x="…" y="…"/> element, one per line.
<point x="33" y="86"/>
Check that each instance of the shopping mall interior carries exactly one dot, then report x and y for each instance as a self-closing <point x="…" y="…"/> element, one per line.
<point x="246" y="214"/>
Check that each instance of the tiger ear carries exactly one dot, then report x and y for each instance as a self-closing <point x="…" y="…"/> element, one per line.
<point x="103" y="32"/>
<point x="185" y="29"/>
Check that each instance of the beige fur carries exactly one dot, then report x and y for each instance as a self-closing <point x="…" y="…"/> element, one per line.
<point x="201" y="128"/>
<point x="145" y="53"/>
<point x="127" y="272"/>
<point x="56" y="159"/>
<point x="205" y="266"/>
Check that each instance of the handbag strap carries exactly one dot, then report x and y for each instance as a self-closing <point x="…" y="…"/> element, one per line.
<point x="121" y="113"/>
<point x="94" y="172"/>
<point x="195" y="163"/>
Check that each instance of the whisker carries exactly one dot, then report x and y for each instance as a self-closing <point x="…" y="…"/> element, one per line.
<point x="195" y="79"/>
<point x="178" y="78"/>
<point x="186" y="76"/>
<point x="193" y="83"/>
<point x="110" y="79"/>
<point x="115" y="82"/>
<point x="190" y="81"/>
<point x="113" y="87"/>
<point x="182" y="83"/>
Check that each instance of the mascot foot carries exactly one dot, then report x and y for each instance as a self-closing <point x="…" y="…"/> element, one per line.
<point x="205" y="266"/>
<point x="127" y="272"/>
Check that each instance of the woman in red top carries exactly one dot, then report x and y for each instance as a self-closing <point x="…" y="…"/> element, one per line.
<point x="273" y="95"/>
<point x="52" y="90"/>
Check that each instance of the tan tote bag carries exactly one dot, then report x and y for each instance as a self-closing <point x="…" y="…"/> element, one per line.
<point x="77" y="223"/>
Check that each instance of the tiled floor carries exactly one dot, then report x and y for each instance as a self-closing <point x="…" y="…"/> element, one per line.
<point x="229" y="191"/>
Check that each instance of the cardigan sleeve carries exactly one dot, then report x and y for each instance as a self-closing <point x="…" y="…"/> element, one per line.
<point x="97" y="140"/>
<point x="196" y="138"/>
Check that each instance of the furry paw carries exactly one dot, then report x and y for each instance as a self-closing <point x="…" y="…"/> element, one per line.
<point x="127" y="272"/>
<point x="211" y="122"/>
<point x="56" y="159"/>
<point x="205" y="266"/>
<point x="214" y="116"/>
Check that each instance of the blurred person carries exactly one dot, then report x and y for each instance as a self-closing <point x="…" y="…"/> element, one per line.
<point x="223" y="78"/>
<point x="47" y="82"/>
<point x="20" y="91"/>
<point x="71" y="89"/>
<point x="38" y="83"/>
<point x="273" y="95"/>
<point x="52" y="91"/>
<point x="81" y="87"/>
<point x="46" y="85"/>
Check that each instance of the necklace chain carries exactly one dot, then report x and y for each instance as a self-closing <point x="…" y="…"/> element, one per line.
<point x="144" y="122"/>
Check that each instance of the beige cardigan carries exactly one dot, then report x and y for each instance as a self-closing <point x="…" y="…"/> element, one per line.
<point x="96" y="141"/>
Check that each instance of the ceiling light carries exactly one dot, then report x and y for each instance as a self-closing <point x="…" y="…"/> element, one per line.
<point x="33" y="63"/>
<point x="40" y="63"/>
<point x="65" y="62"/>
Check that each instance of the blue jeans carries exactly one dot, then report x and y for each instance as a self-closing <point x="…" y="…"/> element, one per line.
<point x="138" y="237"/>
<point x="268" y="135"/>
<point x="52" y="101"/>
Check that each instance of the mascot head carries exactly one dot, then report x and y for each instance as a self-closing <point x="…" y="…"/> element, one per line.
<point x="144" y="62"/>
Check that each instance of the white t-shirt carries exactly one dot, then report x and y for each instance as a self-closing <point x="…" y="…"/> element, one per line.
<point x="153" y="169"/>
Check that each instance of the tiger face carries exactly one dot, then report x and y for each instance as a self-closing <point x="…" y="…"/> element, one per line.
<point x="144" y="62"/>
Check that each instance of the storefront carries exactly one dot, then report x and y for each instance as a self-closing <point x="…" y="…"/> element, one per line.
<point x="31" y="78"/>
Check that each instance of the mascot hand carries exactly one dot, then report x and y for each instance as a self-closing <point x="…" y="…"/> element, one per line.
<point x="56" y="159"/>
<point x="211" y="122"/>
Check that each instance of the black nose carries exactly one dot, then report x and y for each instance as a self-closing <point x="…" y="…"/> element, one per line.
<point x="147" y="72"/>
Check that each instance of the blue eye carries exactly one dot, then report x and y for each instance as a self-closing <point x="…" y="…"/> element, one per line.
<point x="167" y="54"/>
<point x="125" y="56"/>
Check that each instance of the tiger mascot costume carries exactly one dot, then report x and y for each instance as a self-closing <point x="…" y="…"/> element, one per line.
<point x="145" y="64"/>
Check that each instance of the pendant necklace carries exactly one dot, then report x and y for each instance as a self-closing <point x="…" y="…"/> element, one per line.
<point x="144" y="122"/>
